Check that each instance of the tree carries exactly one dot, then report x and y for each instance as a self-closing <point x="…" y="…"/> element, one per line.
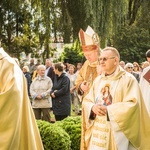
<point x="73" y="54"/>
<point x="34" y="24"/>
<point x="133" y="40"/>
<point x="77" y="13"/>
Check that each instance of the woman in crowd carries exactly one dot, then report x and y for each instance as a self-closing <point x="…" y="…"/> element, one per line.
<point x="60" y="93"/>
<point x="129" y="68"/>
<point x="79" y="66"/>
<point x="74" y="98"/>
<point x="136" y="68"/>
<point x="39" y="90"/>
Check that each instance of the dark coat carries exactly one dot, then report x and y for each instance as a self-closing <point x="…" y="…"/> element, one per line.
<point x="61" y="104"/>
<point x="28" y="78"/>
<point x="136" y="75"/>
<point x="51" y="74"/>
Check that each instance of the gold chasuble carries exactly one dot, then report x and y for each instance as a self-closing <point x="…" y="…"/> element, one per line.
<point x="87" y="73"/>
<point x="18" y="128"/>
<point x="127" y="125"/>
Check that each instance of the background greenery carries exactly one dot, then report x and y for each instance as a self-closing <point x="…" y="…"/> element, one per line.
<point x="31" y="25"/>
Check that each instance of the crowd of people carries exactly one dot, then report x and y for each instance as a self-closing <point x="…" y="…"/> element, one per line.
<point x="51" y="88"/>
<point x="113" y="95"/>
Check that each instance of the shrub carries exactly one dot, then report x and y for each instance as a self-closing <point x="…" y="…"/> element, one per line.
<point x="53" y="137"/>
<point x="72" y="125"/>
<point x="62" y="135"/>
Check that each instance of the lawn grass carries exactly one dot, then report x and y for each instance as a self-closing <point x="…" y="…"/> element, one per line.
<point x="72" y="113"/>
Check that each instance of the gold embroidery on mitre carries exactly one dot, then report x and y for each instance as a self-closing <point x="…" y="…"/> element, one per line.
<point x="96" y="39"/>
<point x="89" y="39"/>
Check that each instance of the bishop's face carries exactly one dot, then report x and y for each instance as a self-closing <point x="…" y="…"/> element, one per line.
<point x="91" y="56"/>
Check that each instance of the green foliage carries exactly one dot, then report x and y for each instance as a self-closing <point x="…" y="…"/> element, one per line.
<point x="62" y="135"/>
<point x="132" y="43"/>
<point x="77" y="13"/>
<point x="72" y="125"/>
<point x="73" y="54"/>
<point x="46" y="21"/>
<point x="53" y="137"/>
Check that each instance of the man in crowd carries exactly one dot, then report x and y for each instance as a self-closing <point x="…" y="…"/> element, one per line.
<point x="49" y="69"/>
<point x="18" y="128"/>
<point x="122" y="64"/>
<point x="115" y="114"/>
<point x="32" y="66"/>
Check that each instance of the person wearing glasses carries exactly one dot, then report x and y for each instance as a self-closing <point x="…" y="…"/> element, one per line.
<point x="129" y="68"/>
<point x="118" y="121"/>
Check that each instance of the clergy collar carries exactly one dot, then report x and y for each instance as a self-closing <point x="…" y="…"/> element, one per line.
<point x="112" y="74"/>
<point x="109" y="74"/>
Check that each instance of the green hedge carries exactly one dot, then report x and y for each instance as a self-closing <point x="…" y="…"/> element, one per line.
<point x="62" y="135"/>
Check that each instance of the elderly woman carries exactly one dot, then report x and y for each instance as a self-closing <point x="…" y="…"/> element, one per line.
<point x="60" y="93"/>
<point x="39" y="90"/>
<point x="129" y="68"/>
